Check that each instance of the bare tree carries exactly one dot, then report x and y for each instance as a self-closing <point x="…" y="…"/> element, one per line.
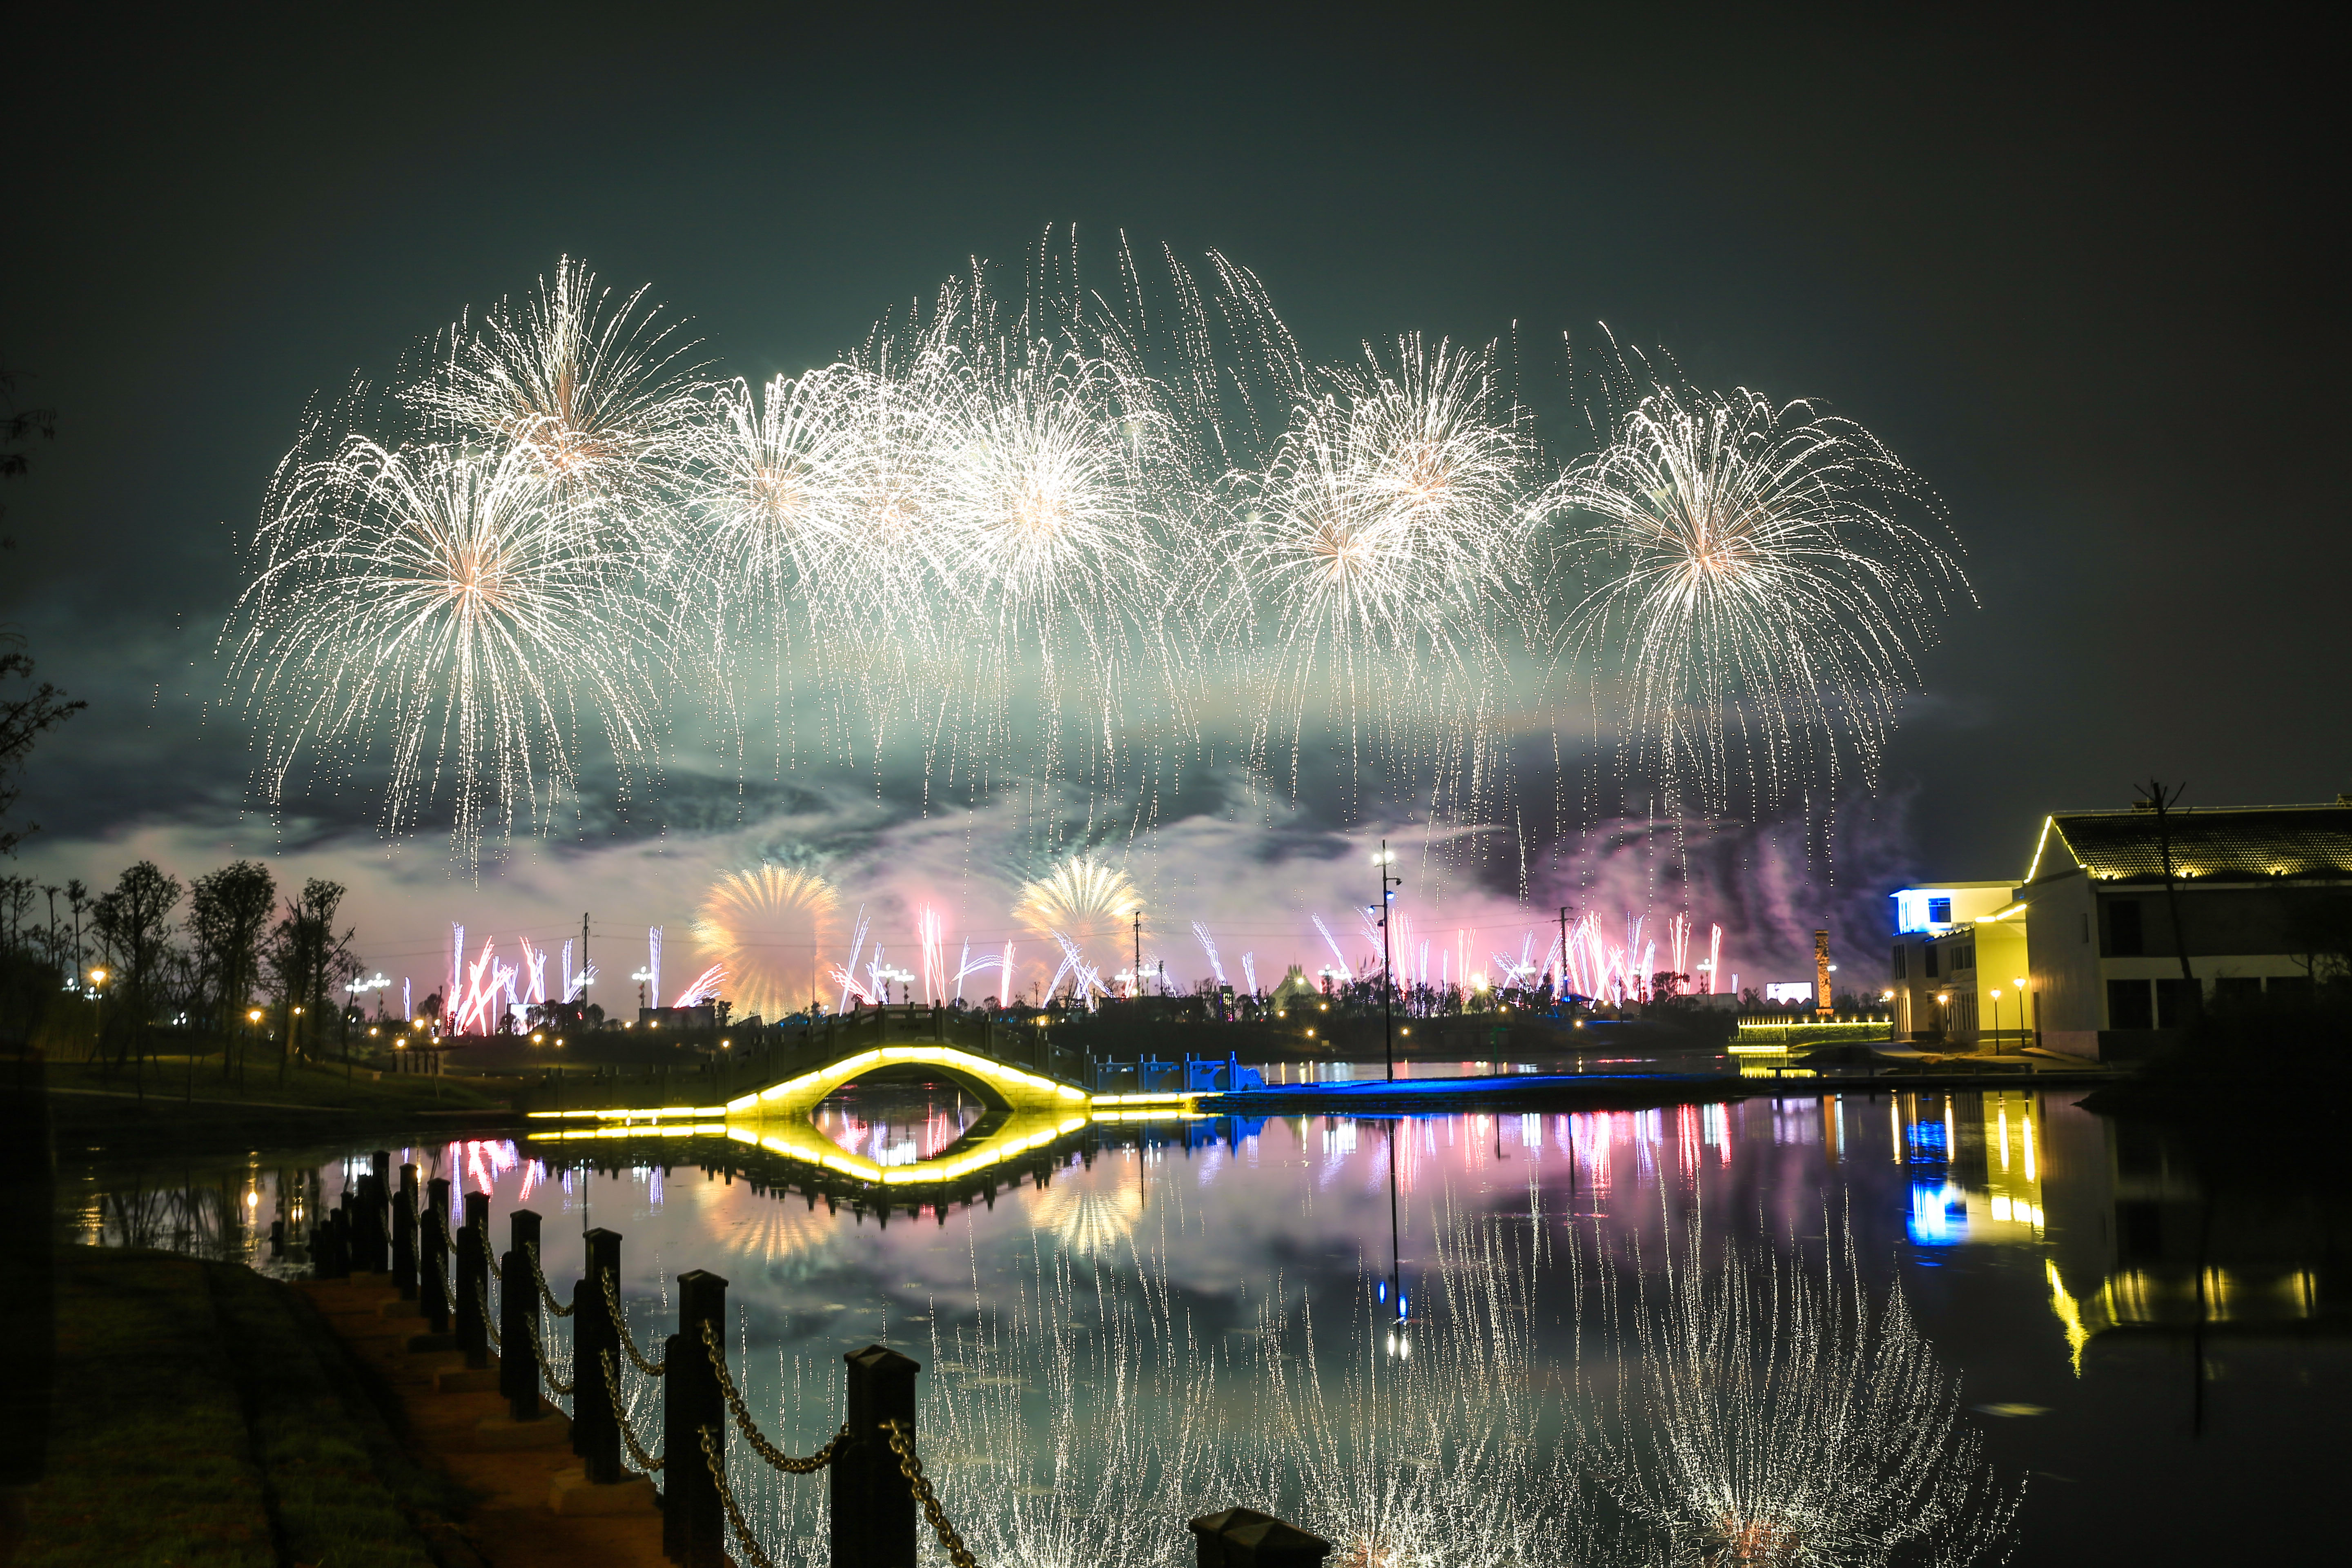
<point x="23" y="718"/>
<point x="2161" y="801"/>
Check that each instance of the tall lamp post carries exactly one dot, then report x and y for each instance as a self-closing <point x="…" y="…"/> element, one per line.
<point x="1388" y="981"/>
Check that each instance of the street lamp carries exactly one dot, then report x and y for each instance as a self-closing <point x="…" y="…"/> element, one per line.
<point x="1384" y="859"/>
<point x="1996" y="1018"/>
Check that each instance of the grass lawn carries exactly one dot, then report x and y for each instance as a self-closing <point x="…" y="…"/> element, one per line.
<point x="203" y="1416"/>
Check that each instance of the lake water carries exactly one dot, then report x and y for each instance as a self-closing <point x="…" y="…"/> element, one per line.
<point x="1840" y="1328"/>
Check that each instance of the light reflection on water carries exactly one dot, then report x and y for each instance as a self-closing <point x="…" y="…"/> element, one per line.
<point x="1161" y="1303"/>
<point x="892" y="1127"/>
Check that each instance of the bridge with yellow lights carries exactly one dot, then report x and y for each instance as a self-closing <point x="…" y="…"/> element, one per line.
<point x="1036" y="1094"/>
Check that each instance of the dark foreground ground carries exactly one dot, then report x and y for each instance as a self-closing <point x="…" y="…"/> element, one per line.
<point x="203" y="1416"/>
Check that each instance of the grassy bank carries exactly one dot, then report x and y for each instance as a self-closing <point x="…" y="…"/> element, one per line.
<point x="203" y="1416"/>
<point x="174" y="1109"/>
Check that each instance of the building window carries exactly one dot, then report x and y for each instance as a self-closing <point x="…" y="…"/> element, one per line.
<point x="2128" y="1006"/>
<point x="2123" y="929"/>
<point x="2175" y="1000"/>
<point x="1900" y="953"/>
<point x="1927" y="963"/>
<point x="1940" y="912"/>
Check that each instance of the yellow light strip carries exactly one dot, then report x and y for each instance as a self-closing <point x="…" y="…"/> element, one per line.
<point x="671" y="1130"/>
<point x="1160" y="1097"/>
<point x="1767" y="1050"/>
<point x="648" y="1113"/>
<point x="923" y="1056"/>
<point x="1152" y="1113"/>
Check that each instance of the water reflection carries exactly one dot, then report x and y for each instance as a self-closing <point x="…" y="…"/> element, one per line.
<point x="1129" y="1324"/>
<point x="1780" y="1411"/>
<point x="897" y="1123"/>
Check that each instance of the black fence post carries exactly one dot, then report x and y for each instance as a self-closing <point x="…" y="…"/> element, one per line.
<point x="404" y="1247"/>
<point x="693" y="1527"/>
<point x="378" y="1197"/>
<point x="339" y="1243"/>
<point x="518" y="1318"/>
<point x="474" y="1281"/>
<point x="1244" y="1537"/>
<point x="595" y="1437"/>
<point x="873" y="1512"/>
<point x="434" y="1264"/>
<point x="404" y="1235"/>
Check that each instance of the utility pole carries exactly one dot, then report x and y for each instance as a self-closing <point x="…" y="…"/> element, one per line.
<point x="1561" y="990"/>
<point x="1135" y="984"/>
<point x="1388" y="963"/>
<point x="583" y="968"/>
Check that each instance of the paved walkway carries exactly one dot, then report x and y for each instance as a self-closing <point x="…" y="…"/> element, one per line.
<point x="534" y="1507"/>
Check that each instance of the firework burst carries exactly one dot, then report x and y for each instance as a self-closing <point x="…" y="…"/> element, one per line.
<point x="1763" y="572"/>
<point x="768" y="928"/>
<point x="1082" y="898"/>
<point x="429" y="599"/>
<point x="1384" y="537"/>
<point x="592" y="391"/>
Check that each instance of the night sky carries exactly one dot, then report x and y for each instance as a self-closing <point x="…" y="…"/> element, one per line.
<point x="2083" y="274"/>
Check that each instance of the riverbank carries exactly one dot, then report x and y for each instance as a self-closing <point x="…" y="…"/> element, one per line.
<point x="203" y="1416"/>
<point x="176" y="1107"/>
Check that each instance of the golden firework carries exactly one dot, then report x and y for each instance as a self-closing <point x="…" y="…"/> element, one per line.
<point x="769" y="928"/>
<point x="1080" y="897"/>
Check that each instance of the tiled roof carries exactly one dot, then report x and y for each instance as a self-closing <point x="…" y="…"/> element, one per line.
<point x="2233" y="843"/>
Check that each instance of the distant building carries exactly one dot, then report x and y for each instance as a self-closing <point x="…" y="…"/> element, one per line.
<point x="2090" y="933"/>
<point x="1957" y="943"/>
<point x="1294" y="989"/>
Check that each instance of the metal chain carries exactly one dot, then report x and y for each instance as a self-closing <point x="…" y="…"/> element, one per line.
<point x="546" y="1295"/>
<point x="760" y="1444"/>
<point x="646" y="1461"/>
<point x="489" y="1320"/>
<point x="546" y="1367"/>
<point x="621" y="1327"/>
<point x="912" y="1468"/>
<point x="760" y="1558"/>
<point x="491" y="1259"/>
